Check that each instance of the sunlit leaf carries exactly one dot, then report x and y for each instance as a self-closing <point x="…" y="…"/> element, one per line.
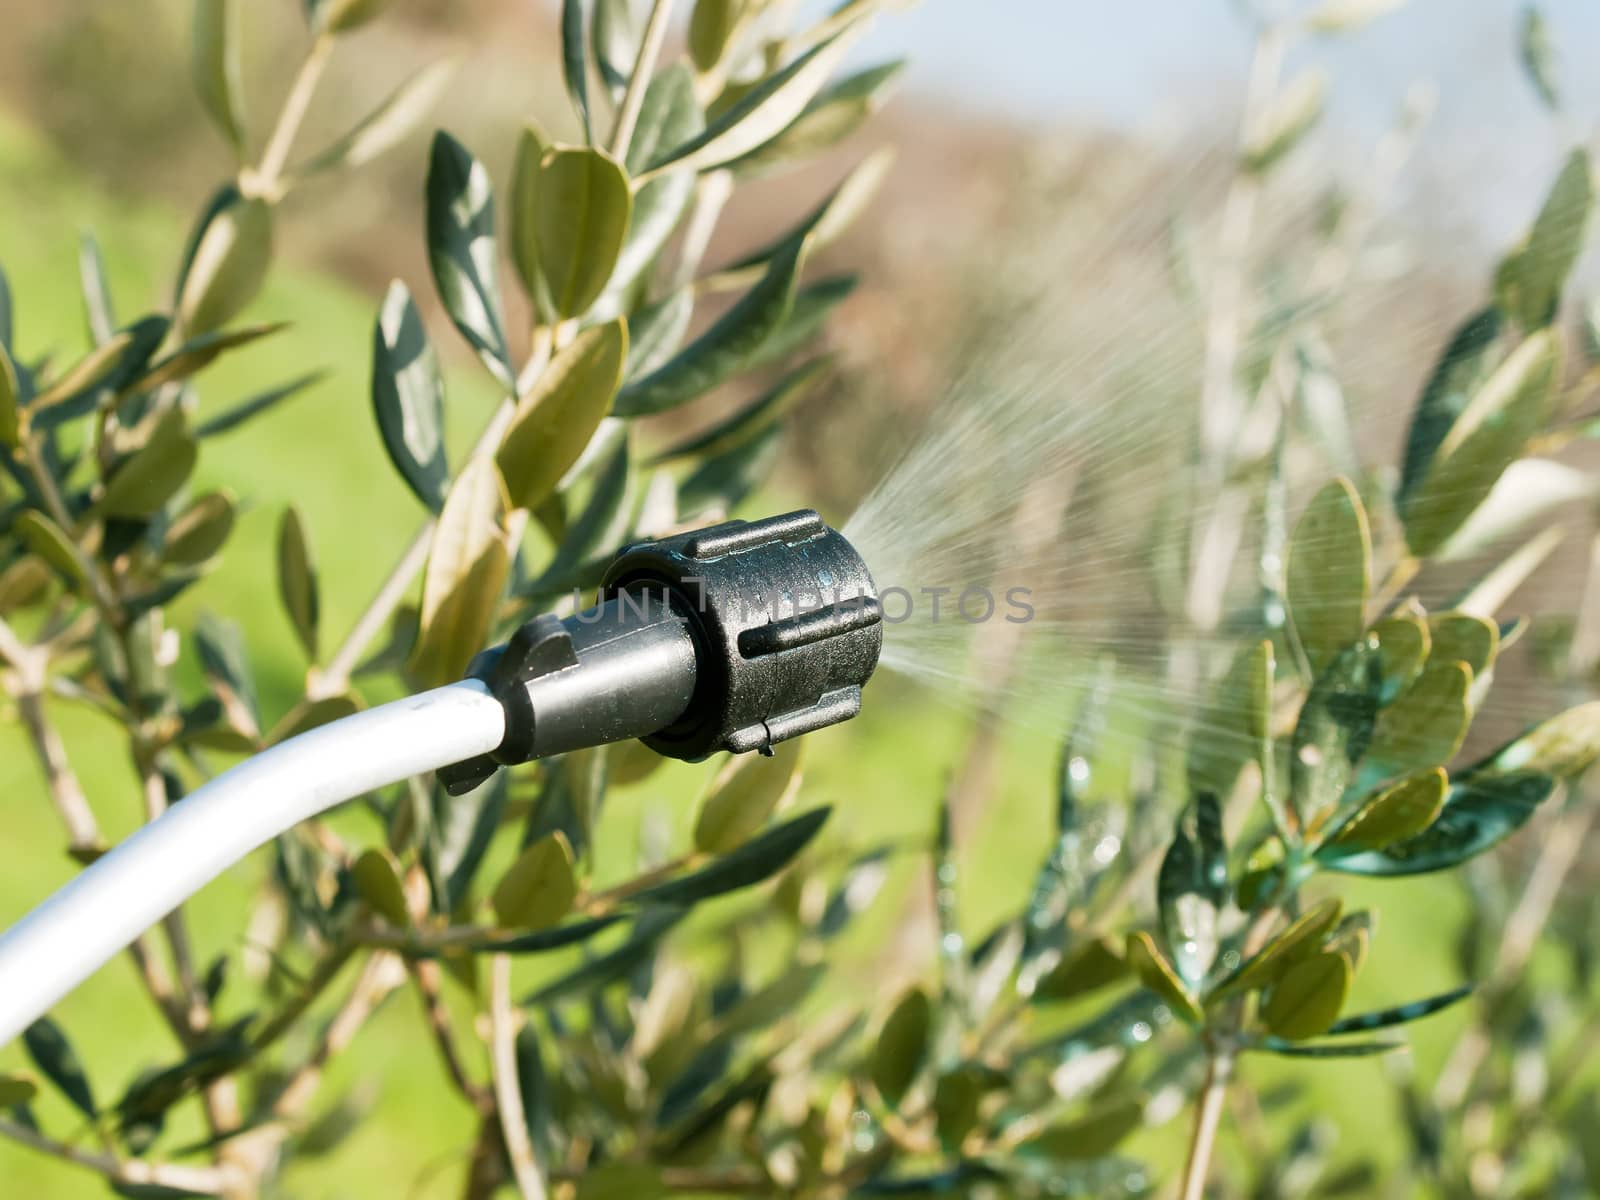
<point x="462" y="251"/>
<point x="142" y="484"/>
<point x="725" y="481"/>
<point x="745" y="794"/>
<point x="1427" y="725"/>
<point x="197" y="353"/>
<point x="401" y="112"/>
<point x="756" y="861"/>
<point x="11" y="419"/>
<point x="1303" y="938"/>
<point x="1403" y="645"/>
<point x="200" y="531"/>
<point x="1330" y="573"/>
<point x="582" y="206"/>
<point x="1385" y="1018"/>
<point x="88" y="373"/>
<point x="1159" y="975"/>
<point x="376" y="878"/>
<point x="669" y="116"/>
<point x="1334" y="730"/>
<point x="310" y="714"/>
<point x="297" y="580"/>
<point x="1562" y="747"/>
<point x="560" y="413"/>
<point x="16" y="1090"/>
<point x="1092" y="1136"/>
<point x="539" y="888"/>
<point x="575" y="62"/>
<point x="753" y="418"/>
<point x="711" y="23"/>
<point x="1291" y="116"/>
<point x="216" y="65"/>
<point x="836" y="113"/>
<point x="227" y="263"/>
<point x="1462" y="369"/>
<point x="1086" y="968"/>
<point x="466" y="572"/>
<point x="1192" y="887"/>
<point x="621" y="1181"/>
<point x="902" y="1045"/>
<point x="408" y="397"/>
<point x="1307" y="998"/>
<point x="1530" y="280"/>
<point x="656" y="331"/>
<point x="1395" y="814"/>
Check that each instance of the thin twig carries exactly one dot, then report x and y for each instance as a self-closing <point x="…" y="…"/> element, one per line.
<point x="1207" y="1120"/>
<point x="426" y="975"/>
<point x="507" y="1092"/>
<point x="655" y="34"/>
<point x="127" y="1172"/>
<point x="269" y="174"/>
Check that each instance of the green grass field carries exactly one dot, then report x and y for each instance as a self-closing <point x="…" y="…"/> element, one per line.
<point x="882" y="773"/>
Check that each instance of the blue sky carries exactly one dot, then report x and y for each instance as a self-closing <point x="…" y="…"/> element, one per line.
<point x="1178" y="65"/>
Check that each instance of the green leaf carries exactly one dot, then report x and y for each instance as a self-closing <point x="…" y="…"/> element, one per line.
<point x="656" y="331"/>
<point x="724" y="482"/>
<point x="1384" y="1018"/>
<point x="376" y="878"/>
<point x="762" y="857"/>
<point x="1403" y="645"/>
<point x="1462" y="637"/>
<point x="462" y="251"/>
<point x="1159" y="975"/>
<point x="297" y="580"/>
<point x="744" y="795"/>
<point x="387" y="125"/>
<point x="255" y="405"/>
<point x="142" y="484"/>
<point x="467" y="566"/>
<point x="216" y="65"/>
<point x="341" y="16"/>
<point x="200" y="531"/>
<point x="582" y="206"/>
<point x="220" y="645"/>
<point x="1330" y="573"/>
<point x="669" y="116"/>
<point x="58" y="1062"/>
<point x="615" y="33"/>
<point x="1427" y="725"/>
<point x="1327" y="1049"/>
<point x="6" y="313"/>
<point x="1306" y="1000"/>
<point x="1538" y="57"/>
<point x="1395" y="814"/>
<point x="1461" y="371"/>
<point x="1480" y="812"/>
<point x="408" y="397"/>
<point x="16" y="1090"/>
<point x="88" y="373"/>
<point x="198" y="353"/>
<point x="1333" y="732"/>
<point x="1530" y="280"/>
<point x="728" y="347"/>
<point x="540" y="886"/>
<point x="1529" y="495"/>
<point x="11" y="416"/>
<point x="1192" y="887"/>
<point x="956" y="1099"/>
<point x="1088" y="1137"/>
<point x="711" y="24"/>
<point x="835" y="114"/>
<point x="575" y="63"/>
<point x="762" y="113"/>
<point x="902" y="1045"/>
<point x="232" y="250"/>
<point x="1291" y="116"/>
<point x="1086" y="968"/>
<point x="1302" y="939"/>
<point x="310" y="714"/>
<point x="603" y="969"/>
<point x="531" y="147"/>
<point x="45" y="538"/>
<point x="1562" y="747"/>
<point x="753" y="418"/>
<point x="621" y="1181"/>
<point x="559" y="415"/>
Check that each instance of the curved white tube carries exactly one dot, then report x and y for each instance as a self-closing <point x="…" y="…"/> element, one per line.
<point x="62" y="942"/>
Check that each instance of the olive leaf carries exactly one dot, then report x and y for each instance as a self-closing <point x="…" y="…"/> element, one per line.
<point x="1395" y="814"/>
<point x="376" y="878"/>
<point x="1562" y="747"/>
<point x="1159" y="975"/>
<point x="341" y="16"/>
<point x="669" y="116"/>
<point x="656" y="331"/>
<point x="141" y="484"/>
<point x="1291" y="116"/>
<point x="833" y="115"/>
<point x="1301" y="939"/>
<point x="216" y="65"/>
<point x="200" y="531"/>
<point x="558" y="417"/>
<point x="745" y="794"/>
<point x="400" y="112"/>
<point x="462" y="251"/>
<point x="408" y="397"/>
<point x="757" y="860"/>
<point x="88" y="373"/>
<point x="762" y="113"/>
<point x="1403" y="646"/>
<point x="1086" y="968"/>
<point x="753" y="418"/>
<point x="12" y="420"/>
<point x="16" y="1090"/>
<point x="194" y="355"/>
<point x="1330" y="573"/>
<point x="582" y="206"/>
<point x="902" y="1045"/>
<point x="725" y="481"/>
<point x="1094" y="1135"/>
<point x="1538" y="56"/>
<point x="1333" y="732"/>
<point x="255" y="405"/>
<point x="297" y="580"/>
<point x="575" y="62"/>
<point x="1427" y="725"/>
<point x="711" y="25"/>
<point x="52" y="1053"/>
<point x="468" y="560"/>
<point x="1530" y="280"/>
<point x="539" y="887"/>
<point x="1192" y="888"/>
<point x="1386" y="1018"/>
<point x="226" y="263"/>
<point x="1305" y="1001"/>
<point x="310" y="714"/>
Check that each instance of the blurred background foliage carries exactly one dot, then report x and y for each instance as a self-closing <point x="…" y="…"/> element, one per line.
<point x="985" y="235"/>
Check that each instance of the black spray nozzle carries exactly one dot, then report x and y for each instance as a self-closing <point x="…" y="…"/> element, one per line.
<point x="733" y="637"/>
